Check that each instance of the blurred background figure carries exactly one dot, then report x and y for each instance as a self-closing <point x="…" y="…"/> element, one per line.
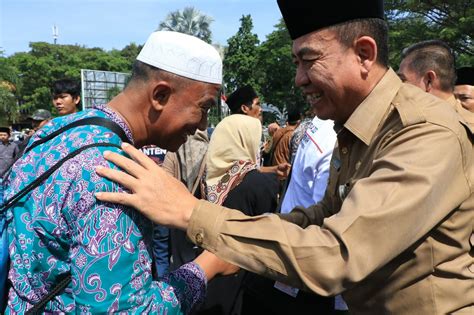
<point x="66" y="94"/>
<point x="299" y="132"/>
<point x="38" y="119"/>
<point x="8" y="150"/>
<point x="464" y="88"/>
<point x="282" y="137"/>
<point x="430" y="65"/>
<point x="268" y="144"/>
<point x="155" y="153"/>
<point x="245" y="101"/>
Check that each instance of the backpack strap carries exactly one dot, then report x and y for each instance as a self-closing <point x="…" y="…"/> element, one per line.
<point x="38" y="307"/>
<point x="98" y="121"/>
<point x="50" y="171"/>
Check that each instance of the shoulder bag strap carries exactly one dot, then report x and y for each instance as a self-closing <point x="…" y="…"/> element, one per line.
<point x="98" y="121"/>
<point x="50" y="171"/>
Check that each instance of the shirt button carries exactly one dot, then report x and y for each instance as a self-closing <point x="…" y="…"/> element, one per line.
<point x="344" y="150"/>
<point x="199" y="238"/>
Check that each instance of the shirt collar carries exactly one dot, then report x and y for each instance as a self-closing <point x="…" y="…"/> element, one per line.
<point x="116" y="119"/>
<point x="365" y="120"/>
<point x="453" y="101"/>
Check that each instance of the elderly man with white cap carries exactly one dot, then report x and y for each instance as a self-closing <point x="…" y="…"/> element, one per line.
<point x="70" y="253"/>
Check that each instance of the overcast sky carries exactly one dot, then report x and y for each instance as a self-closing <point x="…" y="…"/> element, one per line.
<point x="112" y="24"/>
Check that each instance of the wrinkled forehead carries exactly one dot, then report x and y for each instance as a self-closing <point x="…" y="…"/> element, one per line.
<point x="314" y="42"/>
<point x="206" y="94"/>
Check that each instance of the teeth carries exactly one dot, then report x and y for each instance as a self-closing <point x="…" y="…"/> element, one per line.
<point x="311" y="98"/>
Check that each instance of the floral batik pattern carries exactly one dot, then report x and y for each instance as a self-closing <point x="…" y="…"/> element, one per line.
<point x="61" y="228"/>
<point x="218" y="192"/>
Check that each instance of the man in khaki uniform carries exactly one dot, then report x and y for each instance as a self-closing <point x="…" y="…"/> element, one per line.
<point x="429" y="65"/>
<point x="464" y="88"/>
<point x="394" y="231"/>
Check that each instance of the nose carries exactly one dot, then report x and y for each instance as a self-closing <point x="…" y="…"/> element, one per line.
<point x="301" y="77"/>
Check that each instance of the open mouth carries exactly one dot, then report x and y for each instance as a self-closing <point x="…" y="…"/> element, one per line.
<point x="313" y="98"/>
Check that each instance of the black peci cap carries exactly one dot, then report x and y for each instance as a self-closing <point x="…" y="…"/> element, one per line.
<point x="5" y="129"/>
<point x="243" y="95"/>
<point x="306" y="16"/>
<point x="465" y="76"/>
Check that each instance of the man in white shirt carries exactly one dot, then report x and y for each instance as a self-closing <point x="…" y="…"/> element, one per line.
<point x="310" y="169"/>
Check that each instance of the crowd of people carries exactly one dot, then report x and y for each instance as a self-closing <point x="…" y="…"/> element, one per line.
<point x="361" y="204"/>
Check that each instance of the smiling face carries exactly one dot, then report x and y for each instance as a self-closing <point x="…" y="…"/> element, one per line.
<point x="465" y="95"/>
<point x="184" y="112"/>
<point x="65" y="104"/>
<point x="328" y="74"/>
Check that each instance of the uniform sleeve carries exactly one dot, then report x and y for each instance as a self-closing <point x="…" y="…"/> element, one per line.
<point x="111" y="257"/>
<point x="312" y="215"/>
<point x="376" y="223"/>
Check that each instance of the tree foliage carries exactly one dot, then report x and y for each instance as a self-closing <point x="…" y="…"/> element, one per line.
<point x="46" y="63"/>
<point x="8" y="105"/>
<point x="412" y="21"/>
<point x="9" y="84"/>
<point x="188" y="21"/>
<point x="277" y="71"/>
<point x="241" y="58"/>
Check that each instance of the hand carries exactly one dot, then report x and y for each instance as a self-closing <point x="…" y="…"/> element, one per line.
<point x="213" y="265"/>
<point x="283" y="170"/>
<point x="157" y="195"/>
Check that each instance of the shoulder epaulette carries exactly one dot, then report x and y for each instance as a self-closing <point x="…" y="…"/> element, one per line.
<point x="409" y="112"/>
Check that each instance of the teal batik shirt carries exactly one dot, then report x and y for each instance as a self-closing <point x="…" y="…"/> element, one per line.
<point x="60" y="227"/>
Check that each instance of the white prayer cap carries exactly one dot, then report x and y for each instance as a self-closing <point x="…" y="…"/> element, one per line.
<point x="184" y="55"/>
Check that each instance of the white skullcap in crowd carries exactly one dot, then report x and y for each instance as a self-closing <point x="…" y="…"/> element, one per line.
<point x="184" y="55"/>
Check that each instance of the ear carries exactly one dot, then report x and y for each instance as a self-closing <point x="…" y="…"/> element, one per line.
<point x="366" y="49"/>
<point x="77" y="99"/>
<point x="244" y="108"/>
<point x="160" y="94"/>
<point x="429" y="79"/>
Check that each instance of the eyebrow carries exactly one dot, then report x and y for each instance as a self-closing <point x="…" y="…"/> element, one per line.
<point x="306" y="51"/>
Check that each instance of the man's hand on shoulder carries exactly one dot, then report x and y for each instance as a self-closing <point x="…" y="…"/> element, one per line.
<point x="156" y="194"/>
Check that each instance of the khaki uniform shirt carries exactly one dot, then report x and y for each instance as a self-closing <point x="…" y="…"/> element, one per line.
<point x="394" y="231"/>
<point x="468" y="116"/>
